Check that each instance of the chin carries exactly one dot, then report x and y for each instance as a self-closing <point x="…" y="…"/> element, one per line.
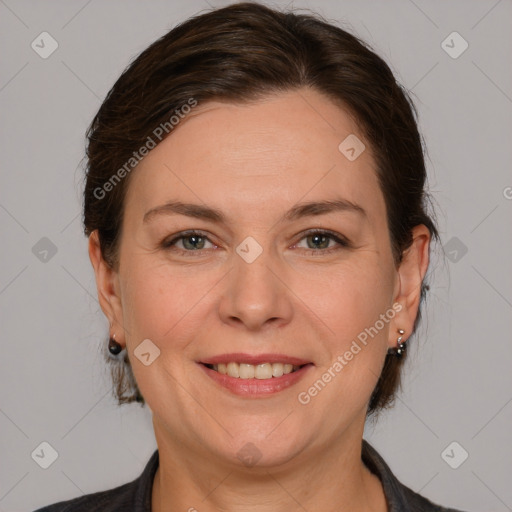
<point x="265" y="447"/>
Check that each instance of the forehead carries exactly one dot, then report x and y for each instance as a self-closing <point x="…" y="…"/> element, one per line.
<point x="271" y="152"/>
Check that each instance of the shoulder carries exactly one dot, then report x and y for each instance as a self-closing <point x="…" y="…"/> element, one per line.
<point x="113" y="500"/>
<point x="419" y="503"/>
<point x="400" y="498"/>
<point x="134" y="496"/>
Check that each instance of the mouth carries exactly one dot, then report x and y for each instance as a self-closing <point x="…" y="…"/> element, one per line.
<point x="251" y="371"/>
<point x="255" y="376"/>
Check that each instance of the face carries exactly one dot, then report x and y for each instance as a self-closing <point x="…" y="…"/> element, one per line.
<point x="265" y="282"/>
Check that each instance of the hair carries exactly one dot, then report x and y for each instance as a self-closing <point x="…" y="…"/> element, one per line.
<point x="241" y="53"/>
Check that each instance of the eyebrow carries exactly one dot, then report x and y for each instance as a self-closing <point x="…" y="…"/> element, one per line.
<point x="298" y="211"/>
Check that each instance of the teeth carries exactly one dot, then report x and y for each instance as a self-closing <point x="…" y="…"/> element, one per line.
<point x="246" y="371"/>
<point x="277" y="369"/>
<point x="263" y="371"/>
<point x="250" y="371"/>
<point x="234" y="370"/>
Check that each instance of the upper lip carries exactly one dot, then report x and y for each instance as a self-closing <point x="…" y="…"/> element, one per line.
<point x="254" y="359"/>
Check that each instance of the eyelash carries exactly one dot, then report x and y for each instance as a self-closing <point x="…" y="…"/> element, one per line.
<point x="342" y="241"/>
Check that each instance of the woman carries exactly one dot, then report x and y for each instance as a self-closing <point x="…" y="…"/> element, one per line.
<point x="255" y="206"/>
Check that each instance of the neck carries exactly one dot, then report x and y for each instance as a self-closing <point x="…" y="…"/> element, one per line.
<point x="193" y="482"/>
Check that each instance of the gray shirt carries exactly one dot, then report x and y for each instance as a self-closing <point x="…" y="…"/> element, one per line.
<point x="136" y="495"/>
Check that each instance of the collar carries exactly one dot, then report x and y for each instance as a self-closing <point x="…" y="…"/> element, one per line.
<point x="393" y="490"/>
<point x="399" y="497"/>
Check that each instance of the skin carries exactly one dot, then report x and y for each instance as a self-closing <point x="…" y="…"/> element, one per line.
<point x="254" y="162"/>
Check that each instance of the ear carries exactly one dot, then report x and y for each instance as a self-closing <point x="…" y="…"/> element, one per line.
<point x="410" y="276"/>
<point x="107" y="283"/>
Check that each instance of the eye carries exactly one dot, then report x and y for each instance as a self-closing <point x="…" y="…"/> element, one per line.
<point x="319" y="242"/>
<point x="190" y="241"/>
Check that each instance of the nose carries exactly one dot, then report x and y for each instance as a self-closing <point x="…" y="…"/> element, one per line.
<point x="256" y="295"/>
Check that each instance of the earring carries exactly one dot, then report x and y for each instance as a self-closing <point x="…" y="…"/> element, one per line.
<point x="114" y="347"/>
<point x="401" y="345"/>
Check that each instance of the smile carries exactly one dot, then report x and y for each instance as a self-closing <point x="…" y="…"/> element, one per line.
<point x="262" y="376"/>
<point x="251" y="371"/>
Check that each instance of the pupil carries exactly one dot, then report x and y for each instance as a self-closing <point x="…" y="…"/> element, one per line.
<point x="195" y="239"/>
<point x="317" y="238"/>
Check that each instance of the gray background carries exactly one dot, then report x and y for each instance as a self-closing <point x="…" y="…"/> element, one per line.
<point x="55" y="388"/>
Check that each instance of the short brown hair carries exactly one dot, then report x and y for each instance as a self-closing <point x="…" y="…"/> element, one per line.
<point x="243" y="52"/>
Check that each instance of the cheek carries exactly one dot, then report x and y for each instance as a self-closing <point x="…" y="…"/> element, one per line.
<point x="165" y="303"/>
<point x="348" y="297"/>
<point x="354" y="302"/>
<point x="150" y="300"/>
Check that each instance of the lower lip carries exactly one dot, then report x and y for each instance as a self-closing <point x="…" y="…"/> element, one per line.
<point x="256" y="388"/>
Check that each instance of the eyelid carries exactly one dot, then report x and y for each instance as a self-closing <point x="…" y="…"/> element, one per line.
<point x="340" y="239"/>
<point x="184" y="234"/>
<point x="321" y="231"/>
